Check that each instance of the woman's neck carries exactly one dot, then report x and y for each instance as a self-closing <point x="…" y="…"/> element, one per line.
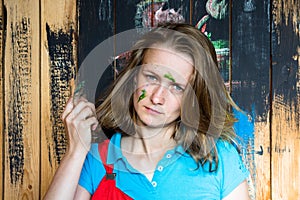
<point x="150" y="141"/>
<point x="147" y="147"/>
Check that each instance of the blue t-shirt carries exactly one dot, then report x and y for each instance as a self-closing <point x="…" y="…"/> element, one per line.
<point x="176" y="175"/>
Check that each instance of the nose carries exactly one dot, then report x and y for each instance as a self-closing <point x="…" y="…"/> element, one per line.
<point x="158" y="95"/>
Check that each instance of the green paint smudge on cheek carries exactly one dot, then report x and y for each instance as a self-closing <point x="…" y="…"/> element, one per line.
<point x="142" y="96"/>
<point x="170" y="77"/>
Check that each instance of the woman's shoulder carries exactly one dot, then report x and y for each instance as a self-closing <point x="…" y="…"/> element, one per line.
<point x="226" y="147"/>
<point x="230" y="157"/>
<point x="103" y="146"/>
<point x="232" y="168"/>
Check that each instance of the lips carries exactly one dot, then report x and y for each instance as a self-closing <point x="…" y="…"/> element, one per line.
<point x="152" y="110"/>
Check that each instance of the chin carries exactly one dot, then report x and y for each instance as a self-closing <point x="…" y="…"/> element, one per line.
<point x="154" y="123"/>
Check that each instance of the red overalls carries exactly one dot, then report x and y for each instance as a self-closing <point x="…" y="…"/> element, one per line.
<point x="107" y="188"/>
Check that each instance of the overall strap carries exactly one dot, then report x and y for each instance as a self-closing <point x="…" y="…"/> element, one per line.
<point x="107" y="189"/>
<point x="103" y="151"/>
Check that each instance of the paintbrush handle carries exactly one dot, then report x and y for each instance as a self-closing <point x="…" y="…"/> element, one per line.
<point x="97" y="134"/>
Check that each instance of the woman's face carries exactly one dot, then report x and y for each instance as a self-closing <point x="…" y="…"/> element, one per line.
<point x="160" y="83"/>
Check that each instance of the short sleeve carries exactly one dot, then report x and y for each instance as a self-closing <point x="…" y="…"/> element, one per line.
<point x="92" y="171"/>
<point x="232" y="168"/>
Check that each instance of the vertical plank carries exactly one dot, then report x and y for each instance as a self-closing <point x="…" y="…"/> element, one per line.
<point x="58" y="63"/>
<point x="2" y="24"/>
<point x="286" y="99"/>
<point x="22" y="115"/>
<point x="251" y="88"/>
<point x="96" y="24"/>
<point x="96" y="19"/>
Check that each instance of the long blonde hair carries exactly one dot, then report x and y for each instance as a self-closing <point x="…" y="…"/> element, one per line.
<point x="206" y="109"/>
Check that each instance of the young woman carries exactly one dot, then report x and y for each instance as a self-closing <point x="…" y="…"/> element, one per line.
<point x="174" y="136"/>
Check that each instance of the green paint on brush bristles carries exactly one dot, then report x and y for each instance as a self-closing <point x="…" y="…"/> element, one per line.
<point x="79" y="87"/>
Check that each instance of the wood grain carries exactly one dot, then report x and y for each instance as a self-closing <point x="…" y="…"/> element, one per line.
<point x="21" y="109"/>
<point x="285" y="151"/>
<point x="2" y="24"/>
<point x="251" y="88"/>
<point x="261" y="179"/>
<point x="58" y="66"/>
<point x="286" y="99"/>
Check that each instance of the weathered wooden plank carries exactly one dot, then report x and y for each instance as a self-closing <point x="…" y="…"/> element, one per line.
<point x="286" y="99"/>
<point x="58" y="64"/>
<point x="285" y="149"/>
<point x="261" y="182"/>
<point x="96" y="31"/>
<point x="99" y="16"/>
<point x="96" y="24"/>
<point x="22" y="102"/>
<point x="2" y="25"/>
<point x="251" y="88"/>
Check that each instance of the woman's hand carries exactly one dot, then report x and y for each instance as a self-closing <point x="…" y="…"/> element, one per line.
<point x="80" y="119"/>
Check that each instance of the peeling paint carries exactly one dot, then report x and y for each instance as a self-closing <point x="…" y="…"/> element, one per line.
<point x="105" y="10"/>
<point x="285" y="11"/>
<point x="62" y="70"/>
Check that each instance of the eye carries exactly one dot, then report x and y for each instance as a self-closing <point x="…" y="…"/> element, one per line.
<point x="177" y="88"/>
<point x="151" y="78"/>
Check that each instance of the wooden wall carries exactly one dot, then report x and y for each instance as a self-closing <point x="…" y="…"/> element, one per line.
<point x="44" y="43"/>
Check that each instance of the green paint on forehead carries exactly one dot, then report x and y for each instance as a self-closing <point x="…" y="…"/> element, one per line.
<point x="142" y="96"/>
<point x="170" y="77"/>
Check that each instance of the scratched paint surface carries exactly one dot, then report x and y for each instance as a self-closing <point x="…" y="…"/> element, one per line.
<point x="250" y="78"/>
<point x="285" y="12"/>
<point x="19" y="103"/>
<point x="96" y="19"/>
<point x="62" y="70"/>
<point x="286" y="51"/>
<point x="250" y="56"/>
<point x="286" y="93"/>
<point x="286" y="148"/>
